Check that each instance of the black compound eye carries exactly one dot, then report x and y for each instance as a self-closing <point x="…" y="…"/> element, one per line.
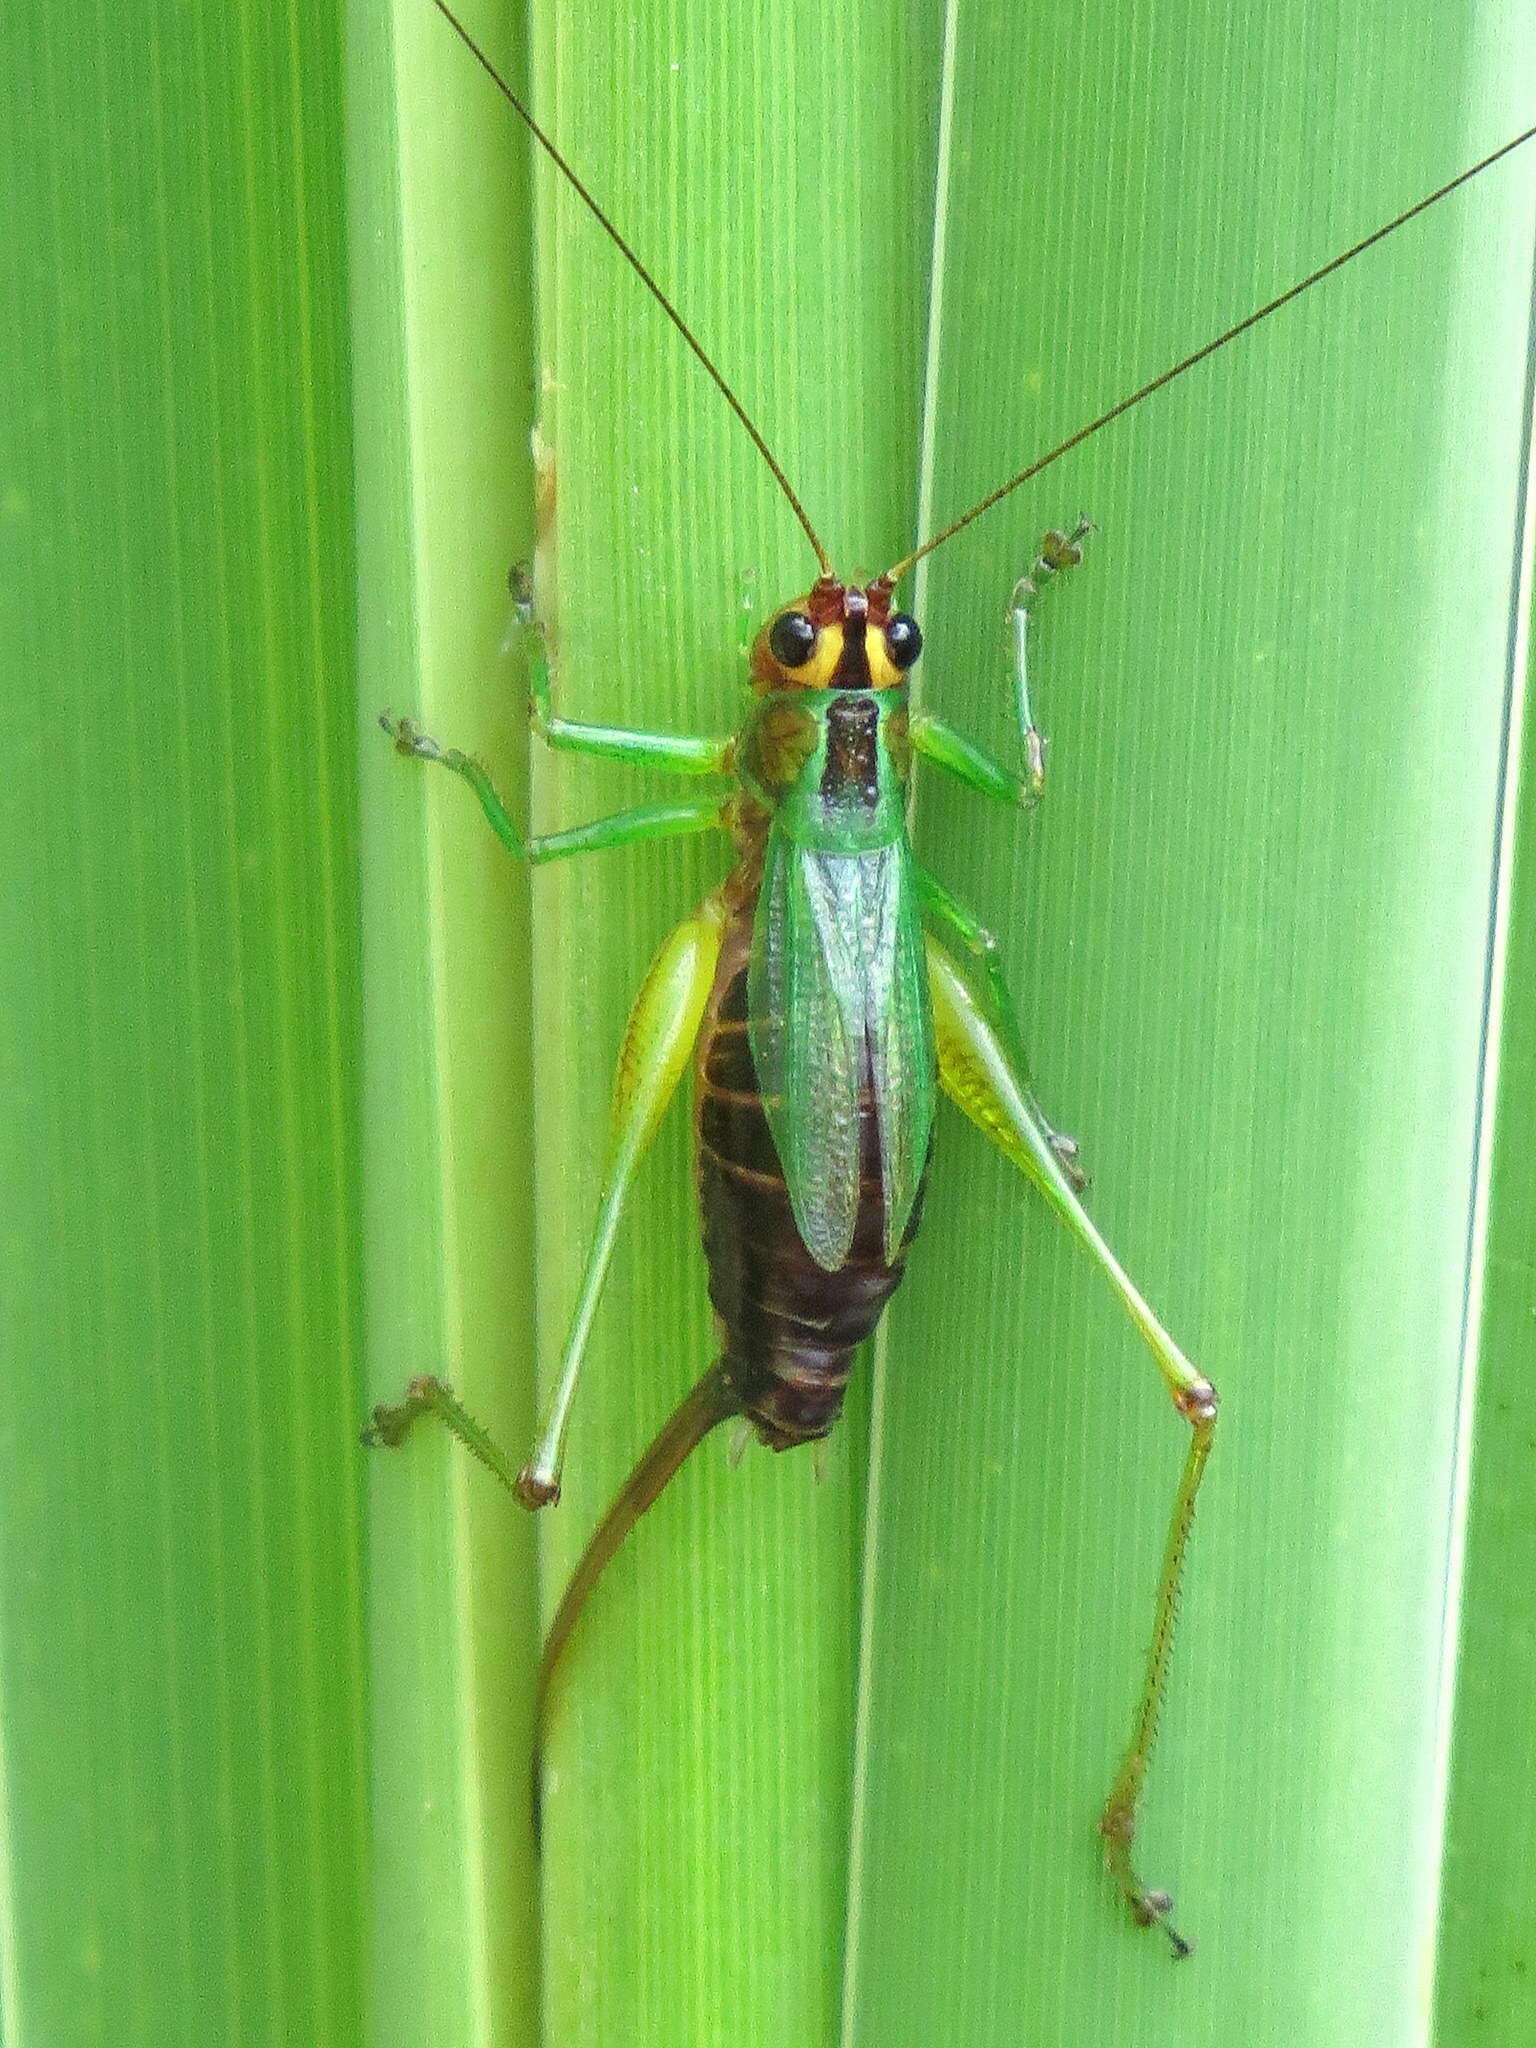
<point x="903" y="641"/>
<point x="792" y="639"/>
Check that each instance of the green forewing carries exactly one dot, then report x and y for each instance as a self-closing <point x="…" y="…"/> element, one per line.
<point x="837" y="999"/>
<point x="900" y="1027"/>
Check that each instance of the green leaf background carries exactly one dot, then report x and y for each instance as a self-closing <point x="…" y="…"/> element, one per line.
<point x="304" y="1088"/>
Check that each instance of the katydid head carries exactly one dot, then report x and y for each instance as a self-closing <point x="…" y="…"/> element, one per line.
<point x="838" y="636"/>
<point x="827" y="750"/>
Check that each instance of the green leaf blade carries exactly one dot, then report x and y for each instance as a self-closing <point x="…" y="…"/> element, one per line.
<point x="180" y="1574"/>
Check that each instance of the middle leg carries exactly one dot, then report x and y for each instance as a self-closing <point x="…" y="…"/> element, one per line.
<point x="961" y="757"/>
<point x="621" y="828"/>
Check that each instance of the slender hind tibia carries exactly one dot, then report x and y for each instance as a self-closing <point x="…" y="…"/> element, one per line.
<point x="976" y="1071"/>
<point x="1117" y="1824"/>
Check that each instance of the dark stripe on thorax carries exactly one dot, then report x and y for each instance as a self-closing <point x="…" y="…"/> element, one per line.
<point x="852" y="770"/>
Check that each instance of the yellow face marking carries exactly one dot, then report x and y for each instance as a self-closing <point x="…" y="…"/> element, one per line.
<point x="883" y="672"/>
<point x="815" y="674"/>
<point x="819" y="671"/>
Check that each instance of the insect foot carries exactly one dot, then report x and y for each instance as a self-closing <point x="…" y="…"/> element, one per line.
<point x="537" y="1485"/>
<point x="1149" y="1906"/>
<point x="392" y="1420"/>
<point x="1058" y="551"/>
<point x="409" y="738"/>
<point x="1069" y="1152"/>
<point x="428" y="1395"/>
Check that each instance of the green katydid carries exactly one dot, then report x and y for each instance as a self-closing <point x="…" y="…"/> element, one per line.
<point x="825" y="992"/>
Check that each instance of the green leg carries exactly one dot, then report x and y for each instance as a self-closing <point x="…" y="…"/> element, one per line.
<point x="623" y="828"/>
<point x="657" y="1043"/>
<point x="962" y="758"/>
<point x="426" y="1395"/>
<point x="944" y="909"/>
<point x="1058" y="551"/>
<point x="978" y="1074"/>
<point x="974" y="766"/>
<point x="677" y="753"/>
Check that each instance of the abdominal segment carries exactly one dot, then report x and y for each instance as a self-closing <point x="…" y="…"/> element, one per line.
<point x="790" y="1328"/>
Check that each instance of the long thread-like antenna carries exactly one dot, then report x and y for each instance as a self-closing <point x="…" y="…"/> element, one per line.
<point x="640" y="271"/>
<point x="1188" y="363"/>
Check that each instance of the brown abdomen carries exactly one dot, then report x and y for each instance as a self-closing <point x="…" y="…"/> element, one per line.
<point x="790" y="1327"/>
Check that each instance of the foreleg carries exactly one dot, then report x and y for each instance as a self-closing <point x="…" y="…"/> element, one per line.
<point x="962" y="758"/>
